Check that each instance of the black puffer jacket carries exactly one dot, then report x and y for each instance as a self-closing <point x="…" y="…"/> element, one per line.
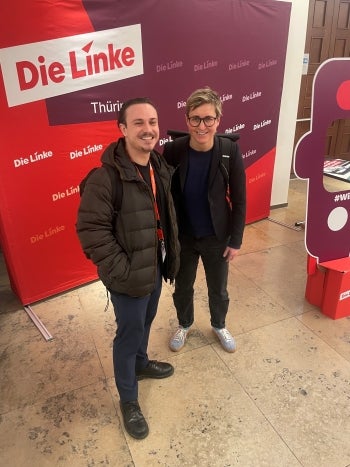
<point x="126" y="253"/>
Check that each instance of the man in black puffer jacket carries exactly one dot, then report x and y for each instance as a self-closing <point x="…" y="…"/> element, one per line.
<point x="133" y="249"/>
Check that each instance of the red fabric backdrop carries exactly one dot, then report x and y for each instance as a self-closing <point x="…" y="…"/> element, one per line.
<point x="66" y="67"/>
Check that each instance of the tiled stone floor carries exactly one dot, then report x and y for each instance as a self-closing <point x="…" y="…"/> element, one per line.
<point x="282" y="400"/>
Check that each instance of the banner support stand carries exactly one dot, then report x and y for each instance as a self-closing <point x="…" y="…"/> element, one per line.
<point x="296" y="226"/>
<point x="38" y="323"/>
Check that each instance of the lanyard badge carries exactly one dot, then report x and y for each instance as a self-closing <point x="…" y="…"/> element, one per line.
<point x="160" y="233"/>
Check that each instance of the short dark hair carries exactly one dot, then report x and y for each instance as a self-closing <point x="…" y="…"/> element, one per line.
<point x="129" y="103"/>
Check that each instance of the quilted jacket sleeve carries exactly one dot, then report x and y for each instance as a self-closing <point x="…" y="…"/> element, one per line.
<point x="95" y="227"/>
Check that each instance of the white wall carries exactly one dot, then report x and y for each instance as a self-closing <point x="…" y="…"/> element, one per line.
<point x="289" y="102"/>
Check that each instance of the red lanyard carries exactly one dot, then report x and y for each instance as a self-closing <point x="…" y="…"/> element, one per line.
<point x="155" y="205"/>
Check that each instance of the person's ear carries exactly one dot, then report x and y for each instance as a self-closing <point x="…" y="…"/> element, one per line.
<point x="122" y="128"/>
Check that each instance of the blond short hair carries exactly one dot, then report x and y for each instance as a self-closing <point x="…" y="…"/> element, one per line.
<point x="204" y="96"/>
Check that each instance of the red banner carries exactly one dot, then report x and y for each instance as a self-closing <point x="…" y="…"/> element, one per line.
<point x="66" y="69"/>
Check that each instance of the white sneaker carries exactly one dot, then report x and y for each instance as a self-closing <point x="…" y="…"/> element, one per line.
<point x="178" y="339"/>
<point x="227" y="341"/>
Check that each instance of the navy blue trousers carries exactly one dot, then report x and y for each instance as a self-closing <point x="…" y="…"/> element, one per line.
<point x="210" y="250"/>
<point x="134" y="316"/>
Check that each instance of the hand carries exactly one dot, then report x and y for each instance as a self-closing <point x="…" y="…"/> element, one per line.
<point x="230" y="253"/>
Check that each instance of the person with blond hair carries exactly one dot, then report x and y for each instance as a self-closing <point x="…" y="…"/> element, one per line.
<point x="210" y="202"/>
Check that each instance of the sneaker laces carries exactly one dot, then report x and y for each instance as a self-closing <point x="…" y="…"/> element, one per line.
<point x="180" y="334"/>
<point x="226" y="334"/>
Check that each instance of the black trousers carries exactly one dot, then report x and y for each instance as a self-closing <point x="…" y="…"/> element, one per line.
<point x="134" y="316"/>
<point x="210" y="250"/>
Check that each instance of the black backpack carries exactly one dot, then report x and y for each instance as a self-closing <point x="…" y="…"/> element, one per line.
<point x="117" y="187"/>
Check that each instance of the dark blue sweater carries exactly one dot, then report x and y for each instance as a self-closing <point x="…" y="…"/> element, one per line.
<point x="196" y="193"/>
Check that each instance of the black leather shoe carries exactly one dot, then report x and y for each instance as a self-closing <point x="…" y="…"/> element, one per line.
<point x="134" y="422"/>
<point x="154" y="369"/>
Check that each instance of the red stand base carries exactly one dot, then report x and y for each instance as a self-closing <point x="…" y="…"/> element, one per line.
<point x="328" y="286"/>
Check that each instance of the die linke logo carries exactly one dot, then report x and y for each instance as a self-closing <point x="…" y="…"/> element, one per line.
<point x="51" y="68"/>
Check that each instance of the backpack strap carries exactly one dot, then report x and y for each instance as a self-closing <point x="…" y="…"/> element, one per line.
<point x="226" y="149"/>
<point x="117" y="187"/>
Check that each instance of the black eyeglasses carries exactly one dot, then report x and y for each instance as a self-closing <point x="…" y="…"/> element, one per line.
<point x="196" y="121"/>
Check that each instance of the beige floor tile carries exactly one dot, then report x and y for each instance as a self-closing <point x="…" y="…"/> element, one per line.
<point x="302" y="387"/>
<point x="282" y="399"/>
<point x="78" y="429"/>
<point x="33" y="369"/>
<point x="281" y="275"/>
<point x="295" y="213"/>
<point x="250" y="306"/>
<point x="202" y="417"/>
<point x="256" y="239"/>
<point x="336" y="333"/>
<point x="281" y="234"/>
<point x="298" y="248"/>
<point x="16" y="326"/>
<point x="101" y="323"/>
